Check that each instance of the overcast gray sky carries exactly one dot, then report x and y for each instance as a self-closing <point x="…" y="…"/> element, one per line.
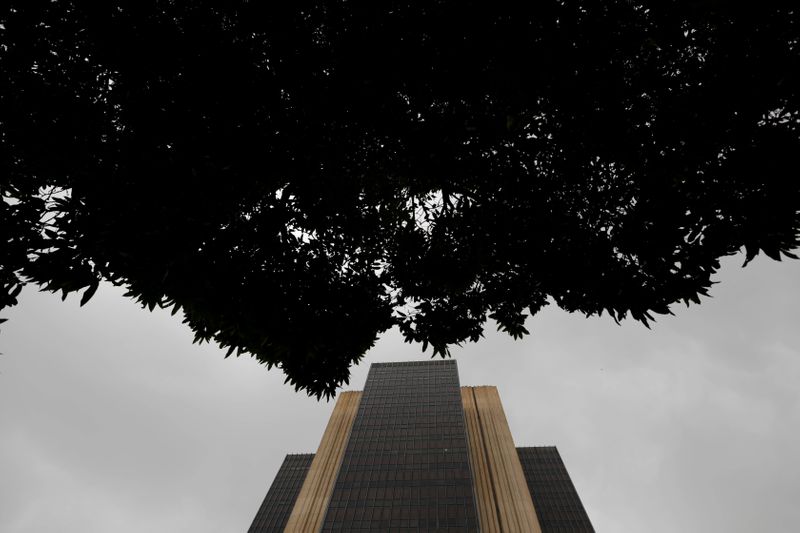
<point x="112" y="421"/>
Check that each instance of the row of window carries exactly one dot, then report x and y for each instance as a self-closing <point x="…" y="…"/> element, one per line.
<point x="426" y="459"/>
<point x="447" y="514"/>
<point x="417" y="474"/>
<point x="407" y="493"/>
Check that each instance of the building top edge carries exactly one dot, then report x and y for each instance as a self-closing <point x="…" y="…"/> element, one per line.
<point x="416" y="363"/>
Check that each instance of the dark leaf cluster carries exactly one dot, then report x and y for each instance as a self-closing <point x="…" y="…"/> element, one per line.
<point x="297" y="177"/>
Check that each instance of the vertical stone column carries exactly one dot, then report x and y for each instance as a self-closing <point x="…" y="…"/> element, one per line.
<point x="504" y="503"/>
<point x="312" y="502"/>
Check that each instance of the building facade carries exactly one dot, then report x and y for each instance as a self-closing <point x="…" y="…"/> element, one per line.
<point x="417" y="452"/>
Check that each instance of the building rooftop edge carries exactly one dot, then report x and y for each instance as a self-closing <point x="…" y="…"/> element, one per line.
<point x="417" y="363"/>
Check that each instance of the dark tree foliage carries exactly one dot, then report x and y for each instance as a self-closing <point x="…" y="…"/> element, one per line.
<point x="298" y="177"/>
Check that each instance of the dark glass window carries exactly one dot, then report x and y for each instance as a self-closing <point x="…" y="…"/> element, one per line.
<point x="406" y="464"/>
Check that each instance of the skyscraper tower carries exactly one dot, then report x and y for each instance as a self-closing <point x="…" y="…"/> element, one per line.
<point x="417" y="452"/>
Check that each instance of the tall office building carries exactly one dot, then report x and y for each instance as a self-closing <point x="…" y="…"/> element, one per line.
<point x="417" y="452"/>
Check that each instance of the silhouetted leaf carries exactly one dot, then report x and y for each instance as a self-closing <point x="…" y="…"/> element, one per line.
<point x="89" y="293"/>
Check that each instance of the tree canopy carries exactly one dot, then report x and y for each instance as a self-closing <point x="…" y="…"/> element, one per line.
<point x="298" y="177"/>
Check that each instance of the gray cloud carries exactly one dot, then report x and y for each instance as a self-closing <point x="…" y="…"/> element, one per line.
<point x="111" y="420"/>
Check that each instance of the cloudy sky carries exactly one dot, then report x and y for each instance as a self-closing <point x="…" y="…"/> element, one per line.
<point x="112" y="421"/>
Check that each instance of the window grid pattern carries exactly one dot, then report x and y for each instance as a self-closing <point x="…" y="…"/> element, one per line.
<point x="280" y="499"/>
<point x="557" y="503"/>
<point x="406" y="465"/>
